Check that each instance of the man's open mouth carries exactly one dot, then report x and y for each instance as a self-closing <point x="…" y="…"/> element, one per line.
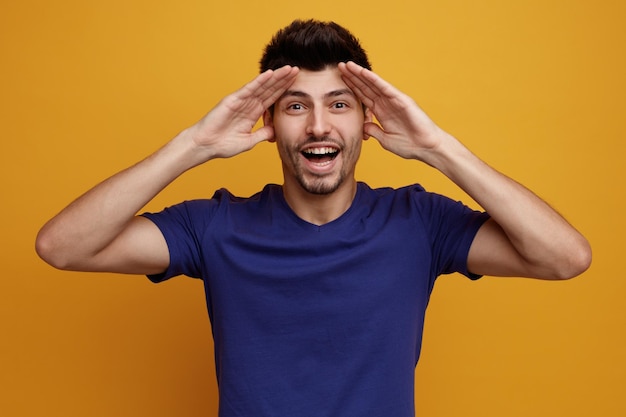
<point x="321" y="154"/>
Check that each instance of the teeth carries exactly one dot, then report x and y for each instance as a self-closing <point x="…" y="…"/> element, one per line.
<point x="320" y="151"/>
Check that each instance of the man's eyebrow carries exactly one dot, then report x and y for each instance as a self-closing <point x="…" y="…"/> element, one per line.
<point x="294" y="93"/>
<point x="333" y="93"/>
<point x="341" y="92"/>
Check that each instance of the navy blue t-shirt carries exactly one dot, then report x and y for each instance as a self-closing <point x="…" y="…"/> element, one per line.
<point x="314" y="320"/>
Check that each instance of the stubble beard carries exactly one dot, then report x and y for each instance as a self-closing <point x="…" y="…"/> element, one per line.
<point x="320" y="184"/>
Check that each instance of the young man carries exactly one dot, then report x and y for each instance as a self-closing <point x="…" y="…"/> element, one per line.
<point x="316" y="289"/>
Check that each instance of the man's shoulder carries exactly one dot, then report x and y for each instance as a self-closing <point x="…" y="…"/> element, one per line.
<point x="256" y="206"/>
<point x="413" y="198"/>
<point x="226" y="196"/>
<point x="390" y="192"/>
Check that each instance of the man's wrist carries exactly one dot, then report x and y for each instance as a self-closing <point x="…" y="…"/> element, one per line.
<point x="440" y="154"/>
<point x="186" y="149"/>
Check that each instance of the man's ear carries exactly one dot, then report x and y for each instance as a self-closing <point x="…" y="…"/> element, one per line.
<point x="369" y="118"/>
<point x="268" y="120"/>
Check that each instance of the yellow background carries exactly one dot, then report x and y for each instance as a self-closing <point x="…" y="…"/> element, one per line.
<point x="535" y="87"/>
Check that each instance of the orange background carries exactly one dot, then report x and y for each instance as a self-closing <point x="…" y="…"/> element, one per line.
<point x="534" y="87"/>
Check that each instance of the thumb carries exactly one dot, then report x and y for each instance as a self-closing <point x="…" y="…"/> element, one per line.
<point x="262" y="134"/>
<point x="373" y="130"/>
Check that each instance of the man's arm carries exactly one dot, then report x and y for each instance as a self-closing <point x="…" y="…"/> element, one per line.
<point x="525" y="236"/>
<point x="100" y="230"/>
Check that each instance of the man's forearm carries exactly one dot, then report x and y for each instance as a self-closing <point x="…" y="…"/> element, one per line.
<point x="96" y="221"/>
<point x="542" y="237"/>
<point x="90" y="223"/>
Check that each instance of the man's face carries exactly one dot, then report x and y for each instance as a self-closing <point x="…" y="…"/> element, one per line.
<point x="318" y="127"/>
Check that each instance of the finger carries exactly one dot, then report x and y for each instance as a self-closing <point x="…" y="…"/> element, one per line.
<point x="365" y="99"/>
<point x="262" y="134"/>
<point x="284" y="78"/>
<point x="278" y="81"/>
<point x="373" y="130"/>
<point x="268" y="86"/>
<point x="367" y="76"/>
<point x="370" y="84"/>
<point x="356" y="75"/>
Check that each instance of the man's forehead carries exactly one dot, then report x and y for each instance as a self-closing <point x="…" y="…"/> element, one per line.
<point x="324" y="83"/>
<point x="328" y="94"/>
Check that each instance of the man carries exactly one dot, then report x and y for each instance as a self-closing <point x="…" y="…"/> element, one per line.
<point x="316" y="289"/>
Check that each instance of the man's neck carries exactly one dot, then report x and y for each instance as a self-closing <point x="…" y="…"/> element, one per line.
<point x="319" y="209"/>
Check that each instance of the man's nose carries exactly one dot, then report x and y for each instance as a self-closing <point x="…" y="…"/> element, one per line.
<point x="318" y="123"/>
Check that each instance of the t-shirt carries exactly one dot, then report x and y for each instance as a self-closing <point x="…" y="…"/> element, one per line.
<point x="314" y="320"/>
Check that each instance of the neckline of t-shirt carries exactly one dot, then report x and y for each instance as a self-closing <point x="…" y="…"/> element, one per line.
<point x="343" y="218"/>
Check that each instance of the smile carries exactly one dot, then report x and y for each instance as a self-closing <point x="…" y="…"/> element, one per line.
<point x="320" y="155"/>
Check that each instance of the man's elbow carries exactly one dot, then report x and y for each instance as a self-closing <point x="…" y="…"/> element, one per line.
<point x="48" y="249"/>
<point x="576" y="261"/>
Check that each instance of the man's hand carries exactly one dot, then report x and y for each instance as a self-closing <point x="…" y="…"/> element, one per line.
<point x="227" y="129"/>
<point x="404" y="128"/>
<point x="99" y="230"/>
<point x="525" y="237"/>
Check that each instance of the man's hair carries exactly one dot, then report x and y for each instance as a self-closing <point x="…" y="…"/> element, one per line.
<point x="313" y="45"/>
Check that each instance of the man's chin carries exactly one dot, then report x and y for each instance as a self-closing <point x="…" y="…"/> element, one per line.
<point x="320" y="186"/>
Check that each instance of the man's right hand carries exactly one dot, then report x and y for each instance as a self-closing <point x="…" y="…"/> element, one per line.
<point x="227" y="129"/>
<point x="100" y="231"/>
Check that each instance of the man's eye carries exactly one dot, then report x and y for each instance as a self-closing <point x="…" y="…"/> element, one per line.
<point x="295" y="106"/>
<point x="340" y="105"/>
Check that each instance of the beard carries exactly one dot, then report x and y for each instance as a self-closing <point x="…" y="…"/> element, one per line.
<point x="315" y="183"/>
<point x="320" y="185"/>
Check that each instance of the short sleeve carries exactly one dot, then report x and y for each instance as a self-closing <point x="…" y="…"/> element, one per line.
<point x="451" y="227"/>
<point x="183" y="227"/>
